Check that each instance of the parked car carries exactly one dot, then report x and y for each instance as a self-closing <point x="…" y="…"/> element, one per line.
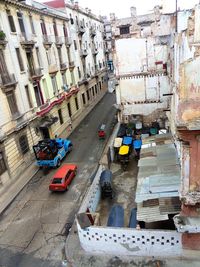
<point x="63" y="177"/>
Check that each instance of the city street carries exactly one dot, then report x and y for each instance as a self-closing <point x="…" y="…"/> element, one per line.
<point x="33" y="229"/>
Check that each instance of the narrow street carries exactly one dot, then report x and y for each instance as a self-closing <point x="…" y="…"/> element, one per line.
<point x="33" y="229"/>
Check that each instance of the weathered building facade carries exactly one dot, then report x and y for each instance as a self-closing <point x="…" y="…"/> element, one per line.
<point x="185" y="115"/>
<point x="51" y="69"/>
<point x="140" y="60"/>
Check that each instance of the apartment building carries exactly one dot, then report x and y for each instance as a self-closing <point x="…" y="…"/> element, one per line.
<point x="51" y="70"/>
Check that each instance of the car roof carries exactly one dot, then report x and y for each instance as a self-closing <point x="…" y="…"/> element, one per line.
<point x="63" y="170"/>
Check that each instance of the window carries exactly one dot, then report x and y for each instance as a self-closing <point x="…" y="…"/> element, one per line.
<point x="64" y="79"/>
<point x="69" y="109"/>
<point x="12" y="103"/>
<point x="21" y="22"/>
<point x="65" y="31"/>
<point x="100" y="85"/>
<point x="71" y="19"/>
<point x="96" y="88"/>
<point x="93" y="90"/>
<point x="88" y="95"/>
<point x="48" y="53"/>
<point x="79" y="72"/>
<point x="83" y="98"/>
<point x="124" y="30"/>
<point x="59" y="55"/>
<point x="28" y="96"/>
<point x="23" y="143"/>
<point x="60" y="116"/>
<point x="72" y="77"/>
<point x="21" y="65"/>
<point x="75" y="45"/>
<point x="32" y="24"/>
<point x="38" y="56"/>
<point x="76" y="103"/>
<point x="55" y="29"/>
<point x="54" y="84"/>
<point x="2" y="164"/>
<point x="11" y="22"/>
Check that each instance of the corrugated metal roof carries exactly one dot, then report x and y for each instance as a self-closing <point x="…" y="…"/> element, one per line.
<point x="150" y="214"/>
<point x="158" y="178"/>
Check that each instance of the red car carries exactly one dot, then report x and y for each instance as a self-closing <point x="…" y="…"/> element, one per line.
<point x="63" y="177"/>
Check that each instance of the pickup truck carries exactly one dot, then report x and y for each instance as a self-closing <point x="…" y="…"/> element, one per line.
<point x="50" y="152"/>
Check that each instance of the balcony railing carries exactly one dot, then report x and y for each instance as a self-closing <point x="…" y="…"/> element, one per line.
<point x="81" y="29"/>
<point x="53" y="68"/>
<point x="7" y="80"/>
<point x="35" y="73"/>
<point x="27" y="39"/>
<point x="71" y="64"/>
<point x="68" y="41"/>
<point x="47" y="40"/>
<point x="83" y="52"/>
<point x="63" y="66"/>
<point x="59" y="40"/>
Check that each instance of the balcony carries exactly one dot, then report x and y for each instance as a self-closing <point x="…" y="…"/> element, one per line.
<point x="63" y="66"/>
<point x="68" y="41"/>
<point x="35" y="74"/>
<point x="84" y="81"/>
<point x="53" y="68"/>
<point x="81" y="29"/>
<point x="27" y="40"/>
<point x="7" y="80"/>
<point x="71" y="65"/>
<point x="47" y="40"/>
<point x="94" y="51"/>
<point x="83" y="53"/>
<point x="92" y="32"/>
<point x="59" y="40"/>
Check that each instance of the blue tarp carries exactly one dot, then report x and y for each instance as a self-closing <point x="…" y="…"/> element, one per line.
<point x="116" y="216"/>
<point x="127" y="140"/>
<point x="137" y="144"/>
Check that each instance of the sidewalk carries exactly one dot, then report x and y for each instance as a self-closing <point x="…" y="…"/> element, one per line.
<point x="9" y="192"/>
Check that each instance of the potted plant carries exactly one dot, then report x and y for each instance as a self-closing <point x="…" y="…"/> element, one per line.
<point x="2" y="35"/>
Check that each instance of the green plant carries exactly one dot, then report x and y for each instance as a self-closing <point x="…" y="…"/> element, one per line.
<point x="2" y="35"/>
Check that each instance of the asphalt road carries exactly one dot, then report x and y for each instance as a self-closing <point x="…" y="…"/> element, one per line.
<point x="33" y="229"/>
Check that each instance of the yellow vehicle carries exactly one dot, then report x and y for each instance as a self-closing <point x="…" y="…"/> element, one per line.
<point x="123" y="155"/>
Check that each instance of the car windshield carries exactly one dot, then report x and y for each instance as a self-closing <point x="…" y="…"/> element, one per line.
<point x="57" y="181"/>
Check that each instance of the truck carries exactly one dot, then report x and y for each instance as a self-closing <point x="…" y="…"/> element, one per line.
<point x="50" y="152"/>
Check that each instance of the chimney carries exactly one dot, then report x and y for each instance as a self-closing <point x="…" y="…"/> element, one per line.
<point x="133" y="12"/>
<point x="112" y="16"/>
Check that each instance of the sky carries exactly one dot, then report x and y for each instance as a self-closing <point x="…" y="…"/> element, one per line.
<point x="121" y="8"/>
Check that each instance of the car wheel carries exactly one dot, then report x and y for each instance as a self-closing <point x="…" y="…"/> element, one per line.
<point x="58" y="163"/>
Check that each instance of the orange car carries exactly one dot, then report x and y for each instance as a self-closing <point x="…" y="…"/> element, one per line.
<point x="63" y="177"/>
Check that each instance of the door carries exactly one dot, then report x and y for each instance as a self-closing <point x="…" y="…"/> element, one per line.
<point x="45" y="133"/>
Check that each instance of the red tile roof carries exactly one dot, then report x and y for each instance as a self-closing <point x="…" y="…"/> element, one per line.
<point x="55" y="3"/>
